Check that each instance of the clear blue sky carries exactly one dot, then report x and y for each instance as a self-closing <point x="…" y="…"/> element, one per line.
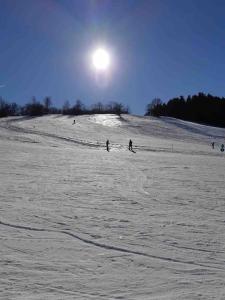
<point x="160" y="48"/>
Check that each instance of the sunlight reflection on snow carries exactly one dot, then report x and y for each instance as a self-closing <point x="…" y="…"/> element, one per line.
<point x="107" y="120"/>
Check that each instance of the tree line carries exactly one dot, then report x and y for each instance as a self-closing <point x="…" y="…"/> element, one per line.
<point x="199" y="108"/>
<point x="37" y="108"/>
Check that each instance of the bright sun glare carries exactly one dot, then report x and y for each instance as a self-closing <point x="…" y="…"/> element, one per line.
<point x="101" y="59"/>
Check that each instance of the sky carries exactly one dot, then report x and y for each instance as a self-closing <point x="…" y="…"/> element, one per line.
<point x="158" y="49"/>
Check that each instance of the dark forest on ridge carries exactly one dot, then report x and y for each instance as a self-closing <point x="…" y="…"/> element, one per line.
<point x="200" y="108"/>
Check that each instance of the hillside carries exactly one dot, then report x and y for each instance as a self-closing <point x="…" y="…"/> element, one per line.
<point x="78" y="222"/>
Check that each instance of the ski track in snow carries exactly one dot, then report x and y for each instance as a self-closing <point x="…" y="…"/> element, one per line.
<point x="110" y="247"/>
<point x="117" y="225"/>
<point x="29" y="131"/>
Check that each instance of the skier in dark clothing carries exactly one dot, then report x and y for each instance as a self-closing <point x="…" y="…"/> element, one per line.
<point x="213" y="144"/>
<point x="130" y="145"/>
<point x="74" y="122"/>
<point x="107" y="145"/>
<point x="222" y="148"/>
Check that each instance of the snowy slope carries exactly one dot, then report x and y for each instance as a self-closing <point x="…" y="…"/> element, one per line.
<point x="77" y="222"/>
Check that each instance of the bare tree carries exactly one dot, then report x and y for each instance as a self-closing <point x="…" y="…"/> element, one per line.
<point x="66" y="107"/>
<point x="155" y="102"/>
<point x="47" y="104"/>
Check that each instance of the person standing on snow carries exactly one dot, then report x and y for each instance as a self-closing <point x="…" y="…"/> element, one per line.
<point x="130" y="145"/>
<point x="107" y="145"/>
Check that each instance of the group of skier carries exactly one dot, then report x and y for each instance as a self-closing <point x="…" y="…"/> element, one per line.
<point x="130" y="146"/>
<point x="221" y="147"/>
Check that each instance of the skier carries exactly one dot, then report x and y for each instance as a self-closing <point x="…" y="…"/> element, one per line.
<point x="74" y="122"/>
<point x="213" y="144"/>
<point x="107" y="145"/>
<point x="222" y="148"/>
<point x="130" y="145"/>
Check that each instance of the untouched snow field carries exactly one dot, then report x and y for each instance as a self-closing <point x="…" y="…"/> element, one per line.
<point x="78" y="222"/>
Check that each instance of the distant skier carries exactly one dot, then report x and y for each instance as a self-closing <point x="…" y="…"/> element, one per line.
<point x="222" y="148"/>
<point x="74" y="122"/>
<point x="107" y="145"/>
<point x="130" y="145"/>
<point x="213" y="144"/>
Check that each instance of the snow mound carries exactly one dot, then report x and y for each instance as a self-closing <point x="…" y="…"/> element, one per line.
<point x="107" y="120"/>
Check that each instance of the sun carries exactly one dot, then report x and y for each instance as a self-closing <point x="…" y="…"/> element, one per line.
<point x="101" y="59"/>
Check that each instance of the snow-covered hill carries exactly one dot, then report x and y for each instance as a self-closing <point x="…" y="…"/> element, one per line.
<point x="78" y="222"/>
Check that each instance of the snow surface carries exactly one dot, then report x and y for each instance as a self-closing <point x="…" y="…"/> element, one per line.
<point x="78" y="222"/>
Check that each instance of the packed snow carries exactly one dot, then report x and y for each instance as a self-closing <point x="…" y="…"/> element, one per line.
<point x="78" y="222"/>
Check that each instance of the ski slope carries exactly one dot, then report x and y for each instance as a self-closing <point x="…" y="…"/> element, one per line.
<point x="78" y="222"/>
